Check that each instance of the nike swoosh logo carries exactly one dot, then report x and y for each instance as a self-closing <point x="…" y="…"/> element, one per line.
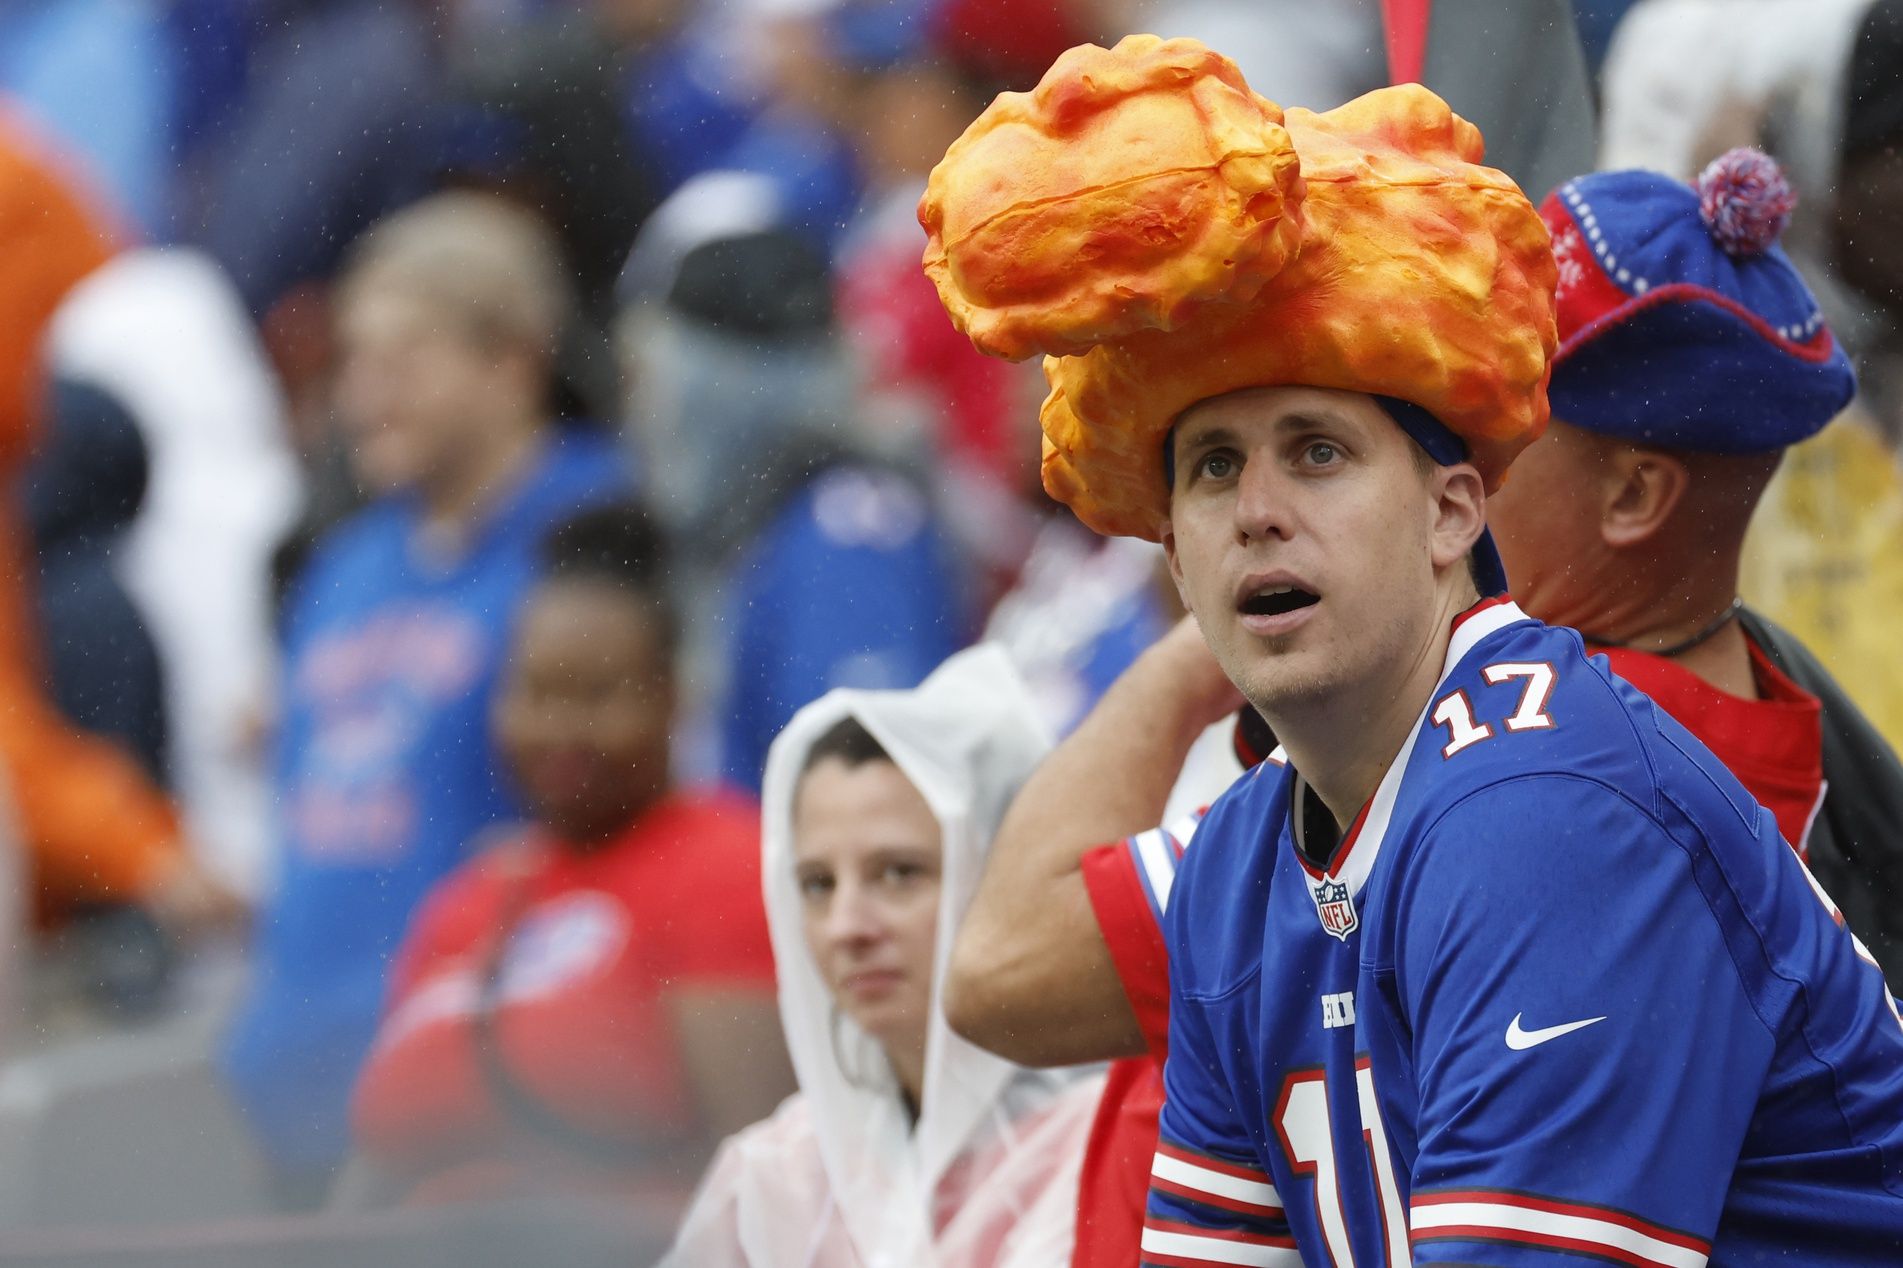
<point x="1520" y="1040"/>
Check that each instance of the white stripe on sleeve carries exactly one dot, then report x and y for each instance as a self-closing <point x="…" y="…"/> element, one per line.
<point x="1216" y="1250"/>
<point x="1206" y="1180"/>
<point x="1501" y="1219"/>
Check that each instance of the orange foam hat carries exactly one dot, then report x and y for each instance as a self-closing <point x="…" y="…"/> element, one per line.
<point x="1164" y="235"/>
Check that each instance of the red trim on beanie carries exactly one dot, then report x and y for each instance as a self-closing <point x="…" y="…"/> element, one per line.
<point x="1590" y="303"/>
<point x="1817" y="349"/>
<point x="1585" y="293"/>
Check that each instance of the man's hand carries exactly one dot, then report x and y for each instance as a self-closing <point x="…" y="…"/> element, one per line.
<point x="1031" y="976"/>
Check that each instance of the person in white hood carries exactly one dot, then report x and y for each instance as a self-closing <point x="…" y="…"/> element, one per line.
<point x="906" y="1146"/>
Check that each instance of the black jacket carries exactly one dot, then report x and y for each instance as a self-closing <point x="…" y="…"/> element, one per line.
<point x="1856" y="844"/>
<point x="82" y="492"/>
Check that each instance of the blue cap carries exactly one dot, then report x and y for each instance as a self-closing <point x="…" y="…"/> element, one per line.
<point x="1682" y="323"/>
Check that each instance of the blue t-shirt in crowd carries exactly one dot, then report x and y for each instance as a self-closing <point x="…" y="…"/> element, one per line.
<point x="851" y="585"/>
<point x="385" y="776"/>
<point x="1560" y="994"/>
<point x="813" y="170"/>
<point x="687" y="102"/>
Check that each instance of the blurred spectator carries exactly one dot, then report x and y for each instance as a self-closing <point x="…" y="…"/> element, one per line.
<point x="808" y="564"/>
<point x="102" y="77"/>
<point x="692" y="81"/>
<point x="851" y="583"/>
<point x="730" y="333"/>
<point x="1289" y="50"/>
<point x="879" y="809"/>
<point x="163" y="331"/>
<point x="1597" y="20"/>
<point x="1816" y="83"/>
<point x="82" y="491"/>
<point x="96" y="828"/>
<point x="332" y="134"/>
<point x="550" y="112"/>
<point x="1516" y="71"/>
<point x="1084" y="608"/>
<point x="593" y="1002"/>
<point x="386" y="775"/>
<point x="1013" y="44"/>
<point x="798" y="138"/>
<point x="925" y="393"/>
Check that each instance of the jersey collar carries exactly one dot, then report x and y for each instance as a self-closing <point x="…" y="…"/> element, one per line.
<point x="1353" y="859"/>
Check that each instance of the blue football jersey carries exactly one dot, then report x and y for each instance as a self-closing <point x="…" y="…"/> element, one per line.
<point x="1561" y="995"/>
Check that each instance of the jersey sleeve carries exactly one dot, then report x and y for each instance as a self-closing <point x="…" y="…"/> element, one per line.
<point x="1587" y="1059"/>
<point x="1211" y="1201"/>
<point x="1129" y="885"/>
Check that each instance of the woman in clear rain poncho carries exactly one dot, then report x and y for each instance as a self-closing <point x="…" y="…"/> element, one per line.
<point x="906" y="1147"/>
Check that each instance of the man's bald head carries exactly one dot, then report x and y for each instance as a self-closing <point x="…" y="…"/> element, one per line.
<point x="1592" y="526"/>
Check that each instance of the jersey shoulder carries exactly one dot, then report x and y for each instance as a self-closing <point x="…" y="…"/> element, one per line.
<point x="1219" y="899"/>
<point x="1529" y="701"/>
<point x="1528" y="719"/>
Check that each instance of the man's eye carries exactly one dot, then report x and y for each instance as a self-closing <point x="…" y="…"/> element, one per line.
<point x="1216" y="466"/>
<point x="812" y="887"/>
<point x="1321" y="454"/>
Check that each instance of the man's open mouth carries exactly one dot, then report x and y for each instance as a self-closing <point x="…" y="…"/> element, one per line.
<point x="1276" y="600"/>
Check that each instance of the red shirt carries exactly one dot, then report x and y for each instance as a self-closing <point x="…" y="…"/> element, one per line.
<point x="596" y="941"/>
<point x="1774" y="745"/>
<point x="1115" y="1181"/>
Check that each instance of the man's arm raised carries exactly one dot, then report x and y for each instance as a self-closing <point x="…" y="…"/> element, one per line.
<point x="1032" y="976"/>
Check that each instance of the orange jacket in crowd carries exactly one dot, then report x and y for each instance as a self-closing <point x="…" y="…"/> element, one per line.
<point x="93" y="825"/>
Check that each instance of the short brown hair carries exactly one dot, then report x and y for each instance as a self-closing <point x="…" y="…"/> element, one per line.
<point x="493" y="265"/>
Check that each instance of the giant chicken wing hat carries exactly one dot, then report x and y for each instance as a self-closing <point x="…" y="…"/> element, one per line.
<point x="1163" y="235"/>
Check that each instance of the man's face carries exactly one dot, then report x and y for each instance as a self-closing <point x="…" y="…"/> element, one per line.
<point x="1304" y="534"/>
<point x="585" y="707"/>
<point x="1545" y="518"/>
<point x="408" y="382"/>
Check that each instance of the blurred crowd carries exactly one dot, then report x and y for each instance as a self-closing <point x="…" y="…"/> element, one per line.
<point x="448" y="443"/>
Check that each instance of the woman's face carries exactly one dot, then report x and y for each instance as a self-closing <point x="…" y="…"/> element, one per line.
<point x="585" y="708"/>
<point x="867" y="858"/>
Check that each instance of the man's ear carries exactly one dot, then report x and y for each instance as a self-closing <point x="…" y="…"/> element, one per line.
<point x="1176" y="569"/>
<point x="1460" y="513"/>
<point x="1642" y="491"/>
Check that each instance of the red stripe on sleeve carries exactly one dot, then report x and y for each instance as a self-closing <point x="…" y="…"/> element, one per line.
<point x="1203" y="1197"/>
<point x="1237" y="1235"/>
<point x="1134" y="939"/>
<point x="1520" y="1237"/>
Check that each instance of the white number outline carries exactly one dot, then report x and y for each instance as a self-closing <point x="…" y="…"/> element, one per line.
<point x="1531" y="715"/>
<point x="1455" y="710"/>
<point x="1456" y="713"/>
<point x="1304" y="1128"/>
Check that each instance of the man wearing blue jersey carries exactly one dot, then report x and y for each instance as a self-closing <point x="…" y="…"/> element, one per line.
<point x="1502" y="966"/>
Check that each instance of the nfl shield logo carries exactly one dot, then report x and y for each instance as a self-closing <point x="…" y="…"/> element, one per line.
<point x="1334" y="906"/>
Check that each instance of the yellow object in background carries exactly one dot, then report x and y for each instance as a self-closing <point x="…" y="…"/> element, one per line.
<point x="1824" y="559"/>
